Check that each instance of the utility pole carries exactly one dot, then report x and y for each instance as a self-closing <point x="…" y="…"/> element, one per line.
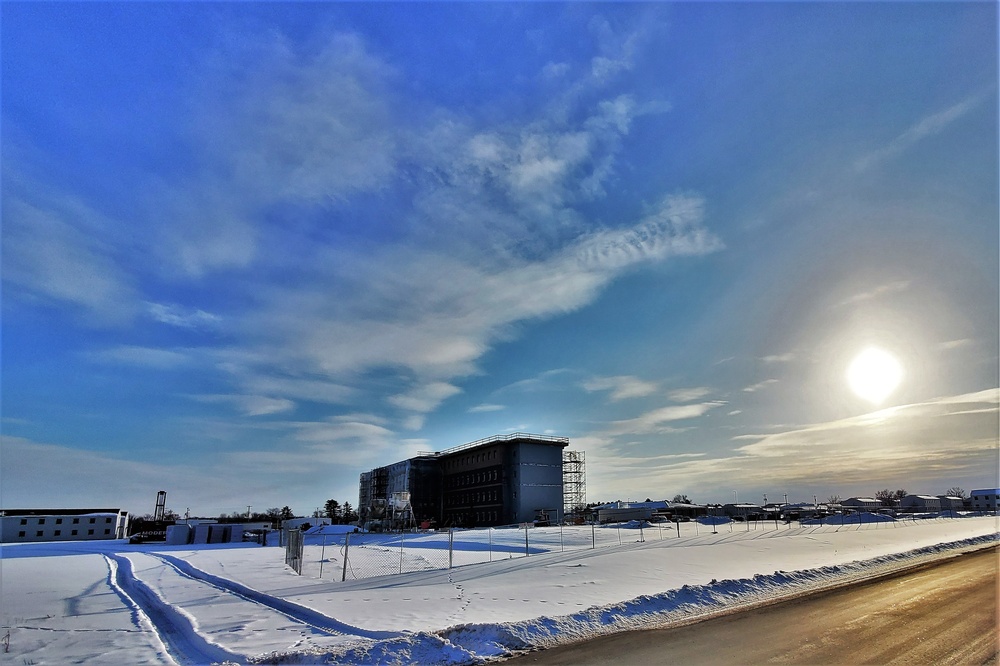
<point x="248" y="512"/>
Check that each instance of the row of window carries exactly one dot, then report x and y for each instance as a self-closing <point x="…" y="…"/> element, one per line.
<point x="473" y="478"/>
<point x="471" y="459"/>
<point x="76" y="521"/>
<point x="465" y="499"/>
<point x="477" y="518"/>
<point x="39" y="533"/>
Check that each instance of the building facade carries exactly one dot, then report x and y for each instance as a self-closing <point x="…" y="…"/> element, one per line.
<point x="951" y="503"/>
<point x="985" y="500"/>
<point x="861" y="504"/>
<point x="920" y="503"/>
<point x="25" y="525"/>
<point x="499" y="480"/>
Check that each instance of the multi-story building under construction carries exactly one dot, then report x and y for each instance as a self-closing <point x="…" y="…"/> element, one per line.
<point x="499" y="480"/>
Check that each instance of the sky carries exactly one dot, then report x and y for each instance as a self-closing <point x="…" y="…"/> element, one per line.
<point x="251" y="250"/>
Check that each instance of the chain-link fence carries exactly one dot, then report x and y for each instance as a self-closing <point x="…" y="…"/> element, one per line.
<point x="294" y="549"/>
<point x="359" y="555"/>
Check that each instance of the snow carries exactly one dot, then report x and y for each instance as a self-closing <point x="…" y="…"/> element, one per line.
<point x="111" y="602"/>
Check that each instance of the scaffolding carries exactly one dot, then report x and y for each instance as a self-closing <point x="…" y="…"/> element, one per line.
<point x="574" y="481"/>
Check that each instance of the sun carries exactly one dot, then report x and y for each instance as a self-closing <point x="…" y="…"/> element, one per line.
<point x="874" y="374"/>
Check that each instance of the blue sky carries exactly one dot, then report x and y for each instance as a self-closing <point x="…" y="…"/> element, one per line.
<point x="252" y="250"/>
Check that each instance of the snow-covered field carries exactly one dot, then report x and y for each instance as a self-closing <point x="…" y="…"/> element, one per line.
<point x="112" y="603"/>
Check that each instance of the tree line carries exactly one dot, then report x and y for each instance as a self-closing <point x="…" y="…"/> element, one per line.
<point x="339" y="514"/>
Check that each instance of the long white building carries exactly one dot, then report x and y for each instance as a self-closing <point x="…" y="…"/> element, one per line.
<point x="24" y="525"/>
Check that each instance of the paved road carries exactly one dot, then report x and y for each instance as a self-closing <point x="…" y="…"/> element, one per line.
<point x="939" y="614"/>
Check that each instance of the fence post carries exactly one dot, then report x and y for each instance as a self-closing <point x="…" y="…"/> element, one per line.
<point x="451" y="542"/>
<point x="322" y="556"/>
<point x="593" y="536"/>
<point x="347" y="543"/>
<point x="642" y="537"/>
<point x="526" y="539"/>
<point x="402" y="536"/>
<point x="489" y="530"/>
<point x="562" y="548"/>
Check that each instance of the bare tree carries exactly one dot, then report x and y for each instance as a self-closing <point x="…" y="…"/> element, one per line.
<point x="681" y="499"/>
<point x="956" y="492"/>
<point x="833" y="499"/>
<point x="885" y="496"/>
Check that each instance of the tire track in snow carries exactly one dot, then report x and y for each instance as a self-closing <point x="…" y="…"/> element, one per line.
<point x="173" y="629"/>
<point x="290" y="609"/>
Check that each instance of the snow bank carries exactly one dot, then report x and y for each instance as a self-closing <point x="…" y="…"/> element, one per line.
<point x="477" y="643"/>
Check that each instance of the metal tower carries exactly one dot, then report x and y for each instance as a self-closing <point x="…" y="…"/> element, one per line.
<point x="161" y="503"/>
<point x="574" y="481"/>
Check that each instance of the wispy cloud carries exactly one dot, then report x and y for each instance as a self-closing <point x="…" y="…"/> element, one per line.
<point x="948" y="345"/>
<point x="425" y="398"/>
<point x="486" y="407"/>
<point x="543" y="381"/>
<point x="621" y="387"/>
<point x="53" y="251"/>
<point x="760" y="385"/>
<point x="778" y="358"/>
<point x="877" y="292"/>
<point x="147" y="357"/>
<point x="689" y="394"/>
<point x="949" y="437"/>
<point x="927" y="126"/>
<point x="250" y="405"/>
<point x="656" y="420"/>
<point x="178" y="315"/>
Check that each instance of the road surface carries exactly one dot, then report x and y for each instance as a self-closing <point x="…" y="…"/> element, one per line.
<point x="943" y="613"/>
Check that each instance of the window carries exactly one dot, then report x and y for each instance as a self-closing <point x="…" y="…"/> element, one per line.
<point x="24" y="521"/>
<point x="73" y="533"/>
<point x="38" y="533"/>
<point x="107" y="531"/>
<point x="76" y="521"/>
<point x="107" y="520"/>
<point x="21" y="534"/>
<point x="58" y="521"/>
<point x="57" y="533"/>
<point x="93" y="520"/>
<point x="41" y="521"/>
<point x="90" y="532"/>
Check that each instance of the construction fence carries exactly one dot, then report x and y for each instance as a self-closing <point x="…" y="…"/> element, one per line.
<point x="356" y="555"/>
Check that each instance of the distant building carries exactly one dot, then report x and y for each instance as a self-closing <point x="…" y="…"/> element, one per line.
<point x="984" y="500"/>
<point x="920" y="503"/>
<point x="743" y="510"/>
<point x="950" y="503"/>
<point x="498" y="480"/>
<point x="616" y="512"/>
<point x="26" y="525"/>
<point x="861" y="504"/>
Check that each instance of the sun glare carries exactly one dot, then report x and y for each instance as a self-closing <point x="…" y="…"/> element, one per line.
<point x="874" y="374"/>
